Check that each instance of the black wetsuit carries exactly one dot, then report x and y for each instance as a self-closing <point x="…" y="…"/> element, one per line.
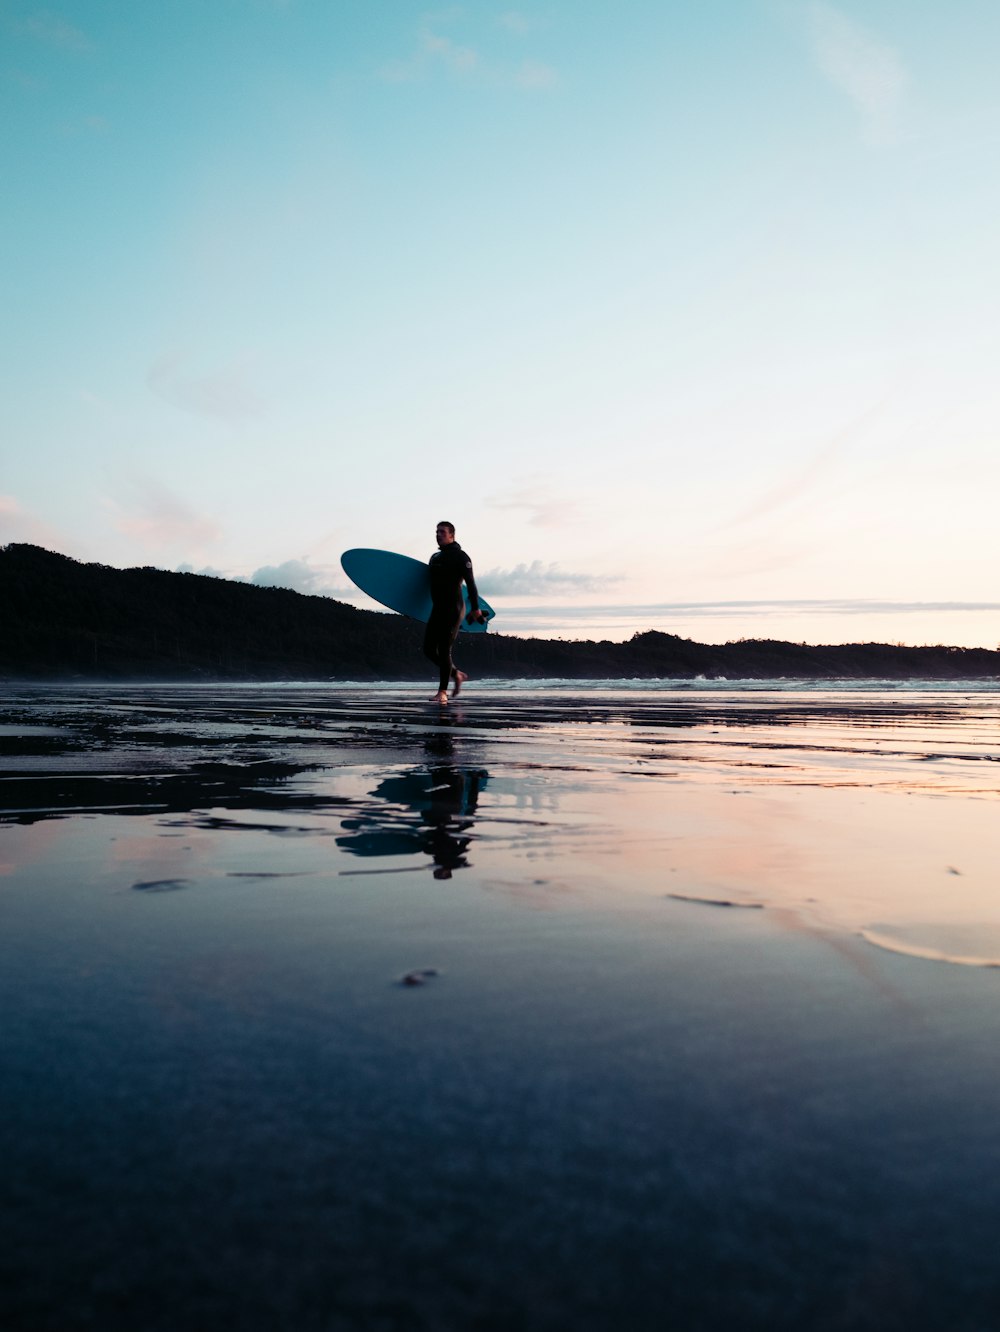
<point x="449" y="568"/>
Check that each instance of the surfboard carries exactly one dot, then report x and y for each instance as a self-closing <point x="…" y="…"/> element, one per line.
<point x="402" y="584"/>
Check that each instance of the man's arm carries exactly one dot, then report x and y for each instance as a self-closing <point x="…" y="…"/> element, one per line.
<point x="470" y="582"/>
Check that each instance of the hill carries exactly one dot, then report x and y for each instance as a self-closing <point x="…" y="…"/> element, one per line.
<point x="64" y="620"/>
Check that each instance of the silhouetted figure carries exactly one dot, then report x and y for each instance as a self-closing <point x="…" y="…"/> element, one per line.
<point x="449" y="568"/>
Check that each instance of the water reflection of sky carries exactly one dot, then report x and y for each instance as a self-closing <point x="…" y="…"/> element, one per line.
<point x="869" y="814"/>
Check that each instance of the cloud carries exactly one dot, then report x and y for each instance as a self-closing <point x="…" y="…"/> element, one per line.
<point x="537" y="579"/>
<point x="157" y="517"/>
<point x="399" y="71"/>
<point x="460" y="59"/>
<point x="716" y="609"/>
<point x="542" y="508"/>
<point x="226" y="393"/>
<point x="863" y="67"/>
<point x="433" y="50"/>
<point x="208" y="571"/>
<point x="54" y="31"/>
<point x="436" y="50"/>
<point x="19" y="524"/>
<point x="319" y="580"/>
<point x="74" y="129"/>
<point x="833" y="620"/>
<point x="533" y="74"/>
<point x="29" y="82"/>
<point x="515" y="21"/>
<point x="297" y="575"/>
<point x="807" y="477"/>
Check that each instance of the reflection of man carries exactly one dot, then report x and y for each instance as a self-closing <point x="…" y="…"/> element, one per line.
<point x="454" y="796"/>
<point x="449" y="568"/>
<point x="445" y="800"/>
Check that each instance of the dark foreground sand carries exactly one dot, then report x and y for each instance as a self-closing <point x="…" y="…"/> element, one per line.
<point x="607" y="1100"/>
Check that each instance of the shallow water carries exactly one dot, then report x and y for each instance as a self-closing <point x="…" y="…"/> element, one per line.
<point x="871" y="812"/>
<point x="601" y="1099"/>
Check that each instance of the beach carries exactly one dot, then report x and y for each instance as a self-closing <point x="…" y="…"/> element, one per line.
<point x="578" y="1005"/>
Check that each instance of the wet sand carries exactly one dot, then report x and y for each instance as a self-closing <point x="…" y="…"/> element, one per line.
<point x="566" y="1008"/>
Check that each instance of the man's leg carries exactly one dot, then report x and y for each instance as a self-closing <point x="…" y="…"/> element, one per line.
<point x="447" y="666"/>
<point x="438" y="640"/>
<point x="431" y="641"/>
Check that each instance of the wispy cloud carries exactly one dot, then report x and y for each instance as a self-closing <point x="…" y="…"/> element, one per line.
<point x="538" y="579"/>
<point x="533" y="74"/>
<point x="74" y="129"/>
<point x="972" y="623"/>
<point x="515" y="21"/>
<point x="716" y="609"/>
<point x="19" y="524"/>
<point x="227" y="393"/>
<point x="434" y="49"/>
<point x="157" y="518"/>
<point x="437" y="49"/>
<point x="460" y="59"/>
<point x="54" y="31"/>
<point x="536" y="500"/>
<point x="808" y="475"/>
<point x="753" y="557"/>
<point x="28" y="82"/>
<point x="862" y="66"/>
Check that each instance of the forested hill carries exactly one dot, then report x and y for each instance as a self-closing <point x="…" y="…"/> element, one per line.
<point x="62" y="620"/>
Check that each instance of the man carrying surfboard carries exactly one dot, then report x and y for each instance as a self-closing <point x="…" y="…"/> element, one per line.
<point x="449" y="567"/>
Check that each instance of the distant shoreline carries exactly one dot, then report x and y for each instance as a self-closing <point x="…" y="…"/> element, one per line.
<point x="541" y="684"/>
<point x="67" y="622"/>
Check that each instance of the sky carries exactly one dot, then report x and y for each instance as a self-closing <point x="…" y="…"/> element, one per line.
<point x="685" y="314"/>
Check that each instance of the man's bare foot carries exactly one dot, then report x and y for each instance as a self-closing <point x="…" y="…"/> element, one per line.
<point x="460" y="679"/>
<point x="441" y="697"/>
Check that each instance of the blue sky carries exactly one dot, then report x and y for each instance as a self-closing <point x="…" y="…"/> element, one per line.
<point x="683" y="313"/>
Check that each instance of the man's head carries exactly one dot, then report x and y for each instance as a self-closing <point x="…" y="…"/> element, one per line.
<point x="445" y="534"/>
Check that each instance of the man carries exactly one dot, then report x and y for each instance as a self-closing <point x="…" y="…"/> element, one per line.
<point x="449" y="567"/>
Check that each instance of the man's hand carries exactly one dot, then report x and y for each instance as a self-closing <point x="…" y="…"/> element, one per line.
<point x="476" y="615"/>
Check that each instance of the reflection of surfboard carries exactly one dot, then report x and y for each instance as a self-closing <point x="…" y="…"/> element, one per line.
<point x="402" y="584"/>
